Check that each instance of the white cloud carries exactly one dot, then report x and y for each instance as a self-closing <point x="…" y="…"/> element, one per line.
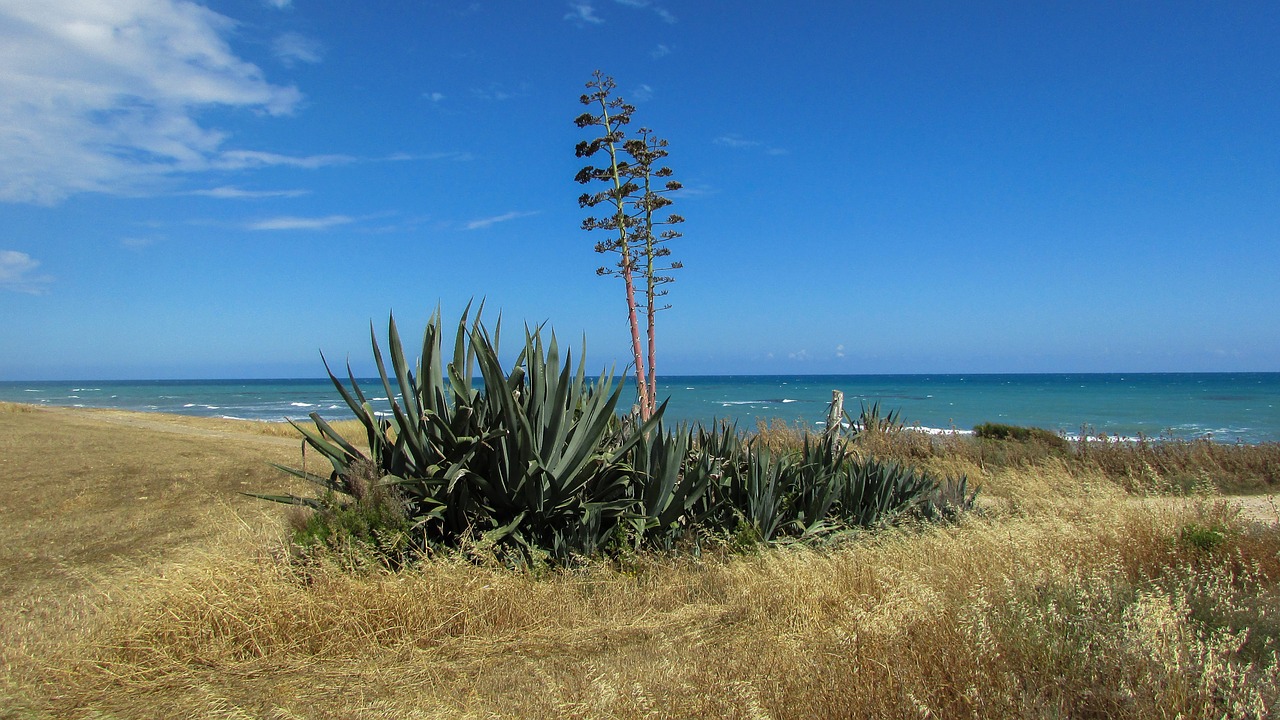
<point x="137" y="243"/>
<point x="293" y="48"/>
<point x="840" y="351"/>
<point x="735" y="141"/>
<point x="233" y="193"/>
<point x="662" y="12"/>
<point x="643" y="93"/>
<point x="447" y="155"/>
<point x="660" y="51"/>
<point x="583" y="14"/>
<point x="486" y="222"/>
<point x="241" y="159"/>
<point x="433" y="96"/>
<point x="800" y="355"/>
<point x="279" y="4"/>
<point x="301" y="223"/>
<point x="498" y="92"/>
<point x="105" y="96"/>
<point x="18" y="273"/>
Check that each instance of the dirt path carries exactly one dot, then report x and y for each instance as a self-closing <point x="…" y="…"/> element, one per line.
<point x="1258" y="508"/>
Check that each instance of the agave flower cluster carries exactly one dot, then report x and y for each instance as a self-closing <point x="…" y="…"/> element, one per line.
<point x="536" y="463"/>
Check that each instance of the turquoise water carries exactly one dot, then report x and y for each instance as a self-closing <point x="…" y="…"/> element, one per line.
<point x="1229" y="407"/>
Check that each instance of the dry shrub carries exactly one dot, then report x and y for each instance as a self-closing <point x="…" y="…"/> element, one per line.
<point x="780" y="437"/>
<point x="1181" y="465"/>
<point x="1093" y="609"/>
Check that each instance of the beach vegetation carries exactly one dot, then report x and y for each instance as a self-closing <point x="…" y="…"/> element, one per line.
<point x="1017" y="433"/>
<point x="535" y="464"/>
<point x="637" y="189"/>
<point x="139" y="584"/>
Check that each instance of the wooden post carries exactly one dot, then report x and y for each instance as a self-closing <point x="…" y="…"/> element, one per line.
<point x="835" y="412"/>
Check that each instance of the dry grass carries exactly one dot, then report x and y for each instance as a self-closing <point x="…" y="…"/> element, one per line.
<point x="1067" y="599"/>
<point x="1147" y="466"/>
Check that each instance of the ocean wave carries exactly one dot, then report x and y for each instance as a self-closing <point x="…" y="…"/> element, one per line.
<point x="300" y="404"/>
<point x="1106" y="438"/>
<point x="938" y="431"/>
<point x="766" y="401"/>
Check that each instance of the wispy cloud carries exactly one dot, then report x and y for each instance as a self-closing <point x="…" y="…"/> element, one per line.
<point x="137" y="243"/>
<point x="434" y="97"/>
<point x="498" y="92"/>
<point x="288" y="222"/>
<point x="661" y="12"/>
<point x="642" y="93"/>
<point x="486" y="222"/>
<point x="735" y="141"/>
<point x="292" y="48"/>
<point x="279" y="4"/>
<point x="233" y="193"/>
<point x="660" y="52"/>
<point x="738" y="142"/>
<point x="18" y="273"/>
<point x="427" y="157"/>
<point x="110" y="96"/>
<point x="241" y="159"/>
<point x="583" y="14"/>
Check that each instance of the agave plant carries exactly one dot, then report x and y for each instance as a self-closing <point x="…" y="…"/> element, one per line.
<point x="536" y="462"/>
<point x="530" y="459"/>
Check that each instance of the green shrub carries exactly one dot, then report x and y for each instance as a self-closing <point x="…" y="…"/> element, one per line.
<point x="369" y="524"/>
<point x="535" y="465"/>
<point x="1204" y="538"/>
<point x="999" y="431"/>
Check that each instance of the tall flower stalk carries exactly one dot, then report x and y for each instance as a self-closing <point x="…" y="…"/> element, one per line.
<point x="636" y="189"/>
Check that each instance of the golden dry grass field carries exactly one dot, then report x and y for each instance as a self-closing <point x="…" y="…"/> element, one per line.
<point x="135" y="582"/>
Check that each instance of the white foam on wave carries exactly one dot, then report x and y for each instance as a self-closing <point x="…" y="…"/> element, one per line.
<point x="789" y="400"/>
<point x="938" y="431"/>
<point x="301" y="404"/>
<point x="1106" y="438"/>
<point x="30" y="390"/>
<point x="189" y="405"/>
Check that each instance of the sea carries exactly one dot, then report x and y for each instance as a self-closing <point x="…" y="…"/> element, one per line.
<point x="1225" y="407"/>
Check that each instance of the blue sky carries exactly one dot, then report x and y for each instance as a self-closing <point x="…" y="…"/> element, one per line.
<point x="223" y="189"/>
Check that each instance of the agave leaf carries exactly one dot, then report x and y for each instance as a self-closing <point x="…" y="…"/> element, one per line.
<point x="325" y="482"/>
<point x="327" y="431"/>
<point x="312" y="503"/>
<point x="404" y="378"/>
<point x="332" y="452"/>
